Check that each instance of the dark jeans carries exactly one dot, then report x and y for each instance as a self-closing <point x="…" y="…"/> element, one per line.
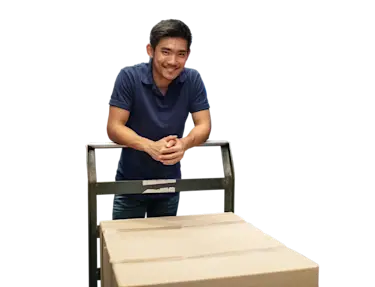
<point x="127" y="206"/>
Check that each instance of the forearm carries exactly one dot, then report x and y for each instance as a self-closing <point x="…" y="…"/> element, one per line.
<point x="198" y="135"/>
<point x="123" y="135"/>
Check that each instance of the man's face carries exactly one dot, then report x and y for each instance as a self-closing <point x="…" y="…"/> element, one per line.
<point x="169" y="57"/>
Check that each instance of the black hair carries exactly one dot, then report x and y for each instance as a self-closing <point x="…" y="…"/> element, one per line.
<point x="170" y="28"/>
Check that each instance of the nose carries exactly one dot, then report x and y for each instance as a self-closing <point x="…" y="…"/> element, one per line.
<point x="172" y="60"/>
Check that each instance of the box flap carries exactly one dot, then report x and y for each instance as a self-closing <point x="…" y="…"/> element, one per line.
<point x="188" y="241"/>
<point x="275" y="267"/>
<point x="169" y="222"/>
<point x="207" y="248"/>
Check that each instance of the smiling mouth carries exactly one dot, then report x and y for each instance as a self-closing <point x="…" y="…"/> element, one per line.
<point x="171" y="69"/>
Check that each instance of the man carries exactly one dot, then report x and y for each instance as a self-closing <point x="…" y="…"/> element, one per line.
<point x="148" y="110"/>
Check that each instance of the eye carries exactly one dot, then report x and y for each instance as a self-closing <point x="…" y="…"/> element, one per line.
<point x="165" y="52"/>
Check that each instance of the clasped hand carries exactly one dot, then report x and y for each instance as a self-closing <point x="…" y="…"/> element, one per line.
<point x="169" y="150"/>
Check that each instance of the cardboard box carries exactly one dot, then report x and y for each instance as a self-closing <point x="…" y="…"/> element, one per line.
<point x="213" y="250"/>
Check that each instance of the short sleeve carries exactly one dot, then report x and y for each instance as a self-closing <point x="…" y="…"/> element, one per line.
<point x="198" y="97"/>
<point x="122" y="94"/>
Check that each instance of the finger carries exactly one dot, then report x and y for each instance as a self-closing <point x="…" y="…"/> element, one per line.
<point x="170" y="156"/>
<point x="166" y="162"/>
<point x="169" y="162"/>
<point x="172" y="162"/>
<point x="169" y="150"/>
<point x="172" y="137"/>
<point x="171" y="143"/>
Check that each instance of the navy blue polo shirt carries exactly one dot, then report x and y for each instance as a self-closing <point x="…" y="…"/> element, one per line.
<point x="155" y="116"/>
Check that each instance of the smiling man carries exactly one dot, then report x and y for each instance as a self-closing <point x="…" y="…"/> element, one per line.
<point x="148" y="109"/>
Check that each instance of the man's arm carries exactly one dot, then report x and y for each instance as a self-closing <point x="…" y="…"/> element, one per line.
<point x="120" y="134"/>
<point x="200" y="111"/>
<point x="120" y="107"/>
<point x="119" y="111"/>
<point x="201" y="131"/>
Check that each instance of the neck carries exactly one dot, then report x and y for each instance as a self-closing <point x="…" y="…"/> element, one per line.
<point x="160" y="82"/>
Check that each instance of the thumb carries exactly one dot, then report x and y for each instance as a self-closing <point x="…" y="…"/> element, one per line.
<point x="168" y="138"/>
<point x="171" y="143"/>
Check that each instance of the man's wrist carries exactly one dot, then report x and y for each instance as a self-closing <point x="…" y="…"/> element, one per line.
<point x="146" y="144"/>
<point x="187" y="142"/>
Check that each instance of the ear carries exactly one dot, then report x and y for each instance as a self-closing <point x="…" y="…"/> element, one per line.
<point x="150" y="51"/>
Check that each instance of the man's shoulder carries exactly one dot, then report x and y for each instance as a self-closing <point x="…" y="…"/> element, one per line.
<point x="189" y="72"/>
<point x="192" y="75"/>
<point x="134" y="72"/>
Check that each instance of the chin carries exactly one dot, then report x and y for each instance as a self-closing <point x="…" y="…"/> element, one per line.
<point x="170" y="77"/>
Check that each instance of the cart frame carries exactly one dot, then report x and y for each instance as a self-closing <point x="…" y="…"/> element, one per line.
<point x="141" y="186"/>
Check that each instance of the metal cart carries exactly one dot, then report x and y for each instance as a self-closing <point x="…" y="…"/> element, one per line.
<point x="136" y="186"/>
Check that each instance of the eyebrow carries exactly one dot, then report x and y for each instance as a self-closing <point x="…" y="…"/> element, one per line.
<point x="168" y="49"/>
